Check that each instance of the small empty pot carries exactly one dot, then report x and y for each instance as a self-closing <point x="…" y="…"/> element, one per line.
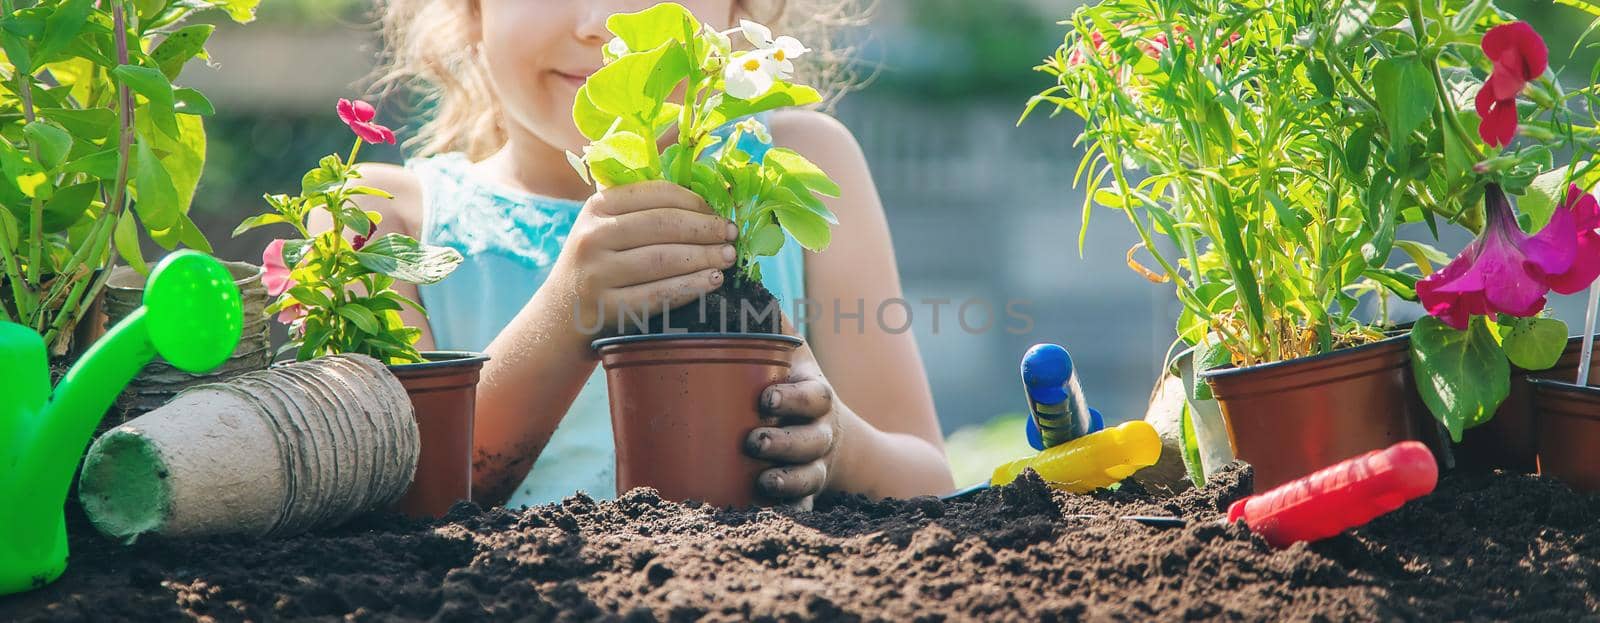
<point x="1292" y="418"/>
<point x="1568" y="432"/>
<point x="682" y="405"/>
<point x="444" y="394"/>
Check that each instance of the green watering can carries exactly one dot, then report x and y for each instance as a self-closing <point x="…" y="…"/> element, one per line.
<point x="191" y="316"/>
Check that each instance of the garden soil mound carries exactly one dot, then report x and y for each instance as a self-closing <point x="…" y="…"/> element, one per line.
<point x="1482" y="547"/>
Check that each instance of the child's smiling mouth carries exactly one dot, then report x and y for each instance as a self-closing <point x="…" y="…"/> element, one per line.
<point x="574" y="78"/>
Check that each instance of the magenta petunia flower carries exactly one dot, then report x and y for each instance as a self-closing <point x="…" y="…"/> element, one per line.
<point x="1505" y="271"/>
<point x="1578" y="217"/>
<point x="359" y="115"/>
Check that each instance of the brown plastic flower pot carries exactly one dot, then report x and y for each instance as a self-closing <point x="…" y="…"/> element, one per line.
<point x="1291" y="418"/>
<point x="1508" y="440"/>
<point x="1568" y="431"/>
<point x="682" y="405"/>
<point x="444" y="393"/>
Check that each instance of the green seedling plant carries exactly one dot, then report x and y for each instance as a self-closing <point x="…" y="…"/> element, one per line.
<point x="1268" y="153"/>
<point x="191" y="317"/>
<point x="98" y="147"/>
<point x="336" y="292"/>
<point x="667" y="73"/>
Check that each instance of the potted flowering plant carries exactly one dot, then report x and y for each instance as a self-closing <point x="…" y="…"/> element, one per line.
<point x="1278" y="149"/>
<point x="97" y="146"/>
<point x="336" y="294"/>
<point x="1485" y="333"/>
<point x="665" y="71"/>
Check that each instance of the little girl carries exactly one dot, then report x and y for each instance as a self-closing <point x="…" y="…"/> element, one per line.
<point x="543" y="249"/>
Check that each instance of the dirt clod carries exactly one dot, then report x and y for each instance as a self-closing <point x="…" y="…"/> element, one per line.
<point x="1482" y="547"/>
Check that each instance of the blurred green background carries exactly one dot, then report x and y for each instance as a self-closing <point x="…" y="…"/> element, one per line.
<point x="979" y="208"/>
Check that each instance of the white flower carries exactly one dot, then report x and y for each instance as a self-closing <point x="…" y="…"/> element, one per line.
<point x="616" y="49"/>
<point x="784" y="49"/>
<point x="750" y="75"/>
<point x="754" y="128"/>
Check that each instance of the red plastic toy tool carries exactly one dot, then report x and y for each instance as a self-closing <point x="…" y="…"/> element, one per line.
<point x="1339" y="497"/>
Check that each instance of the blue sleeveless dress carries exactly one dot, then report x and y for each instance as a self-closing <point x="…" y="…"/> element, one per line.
<point x="510" y="239"/>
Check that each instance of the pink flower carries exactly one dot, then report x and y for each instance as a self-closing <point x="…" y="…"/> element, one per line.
<point x="1519" y="57"/>
<point x="1077" y="57"/>
<point x="1505" y="271"/>
<point x="358" y="115"/>
<point x="276" y="272"/>
<point x="292" y="314"/>
<point x="1578" y="217"/>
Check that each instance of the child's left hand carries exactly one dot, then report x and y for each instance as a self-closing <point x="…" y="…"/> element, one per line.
<point x="805" y="445"/>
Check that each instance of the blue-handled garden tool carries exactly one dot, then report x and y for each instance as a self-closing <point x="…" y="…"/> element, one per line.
<point x="1057" y="410"/>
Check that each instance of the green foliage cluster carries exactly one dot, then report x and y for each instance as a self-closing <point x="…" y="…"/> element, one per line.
<point x="91" y="123"/>
<point x="666" y="72"/>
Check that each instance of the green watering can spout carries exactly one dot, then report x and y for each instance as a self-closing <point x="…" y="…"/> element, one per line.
<point x="191" y="316"/>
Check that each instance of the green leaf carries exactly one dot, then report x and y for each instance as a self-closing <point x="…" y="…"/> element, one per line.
<point x="1547" y="191"/>
<point x="127" y="243"/>
<point x="361" y="317"/>
<point x="192" y="102"/>
<point x="592" y="122"/>
<point x="1405" y="93"/>
<point x="185" y="233"/>
<point x="405" y="259"/>
<point x="86" y="123"/>
<point x="69" y="206"/>
<point x="798" y="167"/>
<point x="1425" y="256"/>
<point x="767" y="240"/>
<point x="181" y="46"/>
<point x="1401" y="283"/>
<point x="1209" y="355"/>
<point x="635" y="84"/>
<point x="782" y="95"/>
<point x="62" y="26"/>
<point x="1534" y="343"/>
<point x="258" y="221"/>
<point x="621" y="158"/>
<point x="157" y="198"/>
<point x="648" y="29"/>
<point x="52" y="142"/>
<point x="1353" y="15"/>
<point x="1463" y="376"/>
<point x="241" y="11"/>
<point x="15" y="46"/>
<point x="155" y="88"/>
<point x="1191" y="450"/>
<point x="807" y="228"/>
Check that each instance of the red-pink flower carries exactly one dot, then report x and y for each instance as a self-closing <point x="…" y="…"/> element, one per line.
<point x="292" y="314"/>
<point x="1505" y="271"/>
<point x="275" y="273"/>
<point x="359" y="115"/>
<point x="1519" y="57"/>
<point x="1077" y="57"/>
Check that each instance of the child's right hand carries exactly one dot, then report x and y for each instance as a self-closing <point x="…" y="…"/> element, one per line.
<point x="642" y="248"/>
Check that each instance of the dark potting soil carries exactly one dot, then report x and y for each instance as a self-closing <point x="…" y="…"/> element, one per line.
<point x="739" y="306"/>
<point x="1482" y="547"/>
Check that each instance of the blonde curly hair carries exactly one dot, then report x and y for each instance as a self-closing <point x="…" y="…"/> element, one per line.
<point x="428" y="51"/>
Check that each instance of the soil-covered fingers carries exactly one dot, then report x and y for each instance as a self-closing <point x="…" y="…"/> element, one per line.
<point x="806" y="397"/>
<point x="663" y="261"/>
<point x="658" y="226"/>
<point x="793" y="482"/>
<point x="790" y="445"/>
<point x="648" y="299"/>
